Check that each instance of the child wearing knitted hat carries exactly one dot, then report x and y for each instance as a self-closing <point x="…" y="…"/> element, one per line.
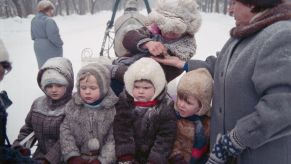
<point x="145" y="121"/>
<point x="194" y="94"/>
<point x="87" y="132"/>
<point x="171" y="31"/>
<point x="56" y="80"/>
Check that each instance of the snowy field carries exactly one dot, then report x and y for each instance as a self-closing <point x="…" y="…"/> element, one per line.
<point x="78" y="33"/>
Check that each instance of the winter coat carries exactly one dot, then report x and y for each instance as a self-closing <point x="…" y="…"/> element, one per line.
<point x="46" y="37"/>
<point x="82" y="124"/>
<point x="184" y="47"/>
<point x="185" y="137"/>
<point x="252" y="88"/>
<point x="147" y="133"/>
<point x="46" y="116"/>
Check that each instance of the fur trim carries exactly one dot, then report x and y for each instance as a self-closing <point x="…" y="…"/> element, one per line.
<point x="100" y="72"/>
<point x="4" y="56"/>
<point x="44" y="4"/>
<point x="198" y="83"/>
<point x="147" y="69"/>
<point x="180" y="16"/>
<point x="262" y="20"/>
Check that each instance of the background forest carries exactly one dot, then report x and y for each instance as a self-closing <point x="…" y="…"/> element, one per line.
<point x="23" y="8"/>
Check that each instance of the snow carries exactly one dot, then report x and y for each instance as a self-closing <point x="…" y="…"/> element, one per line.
<point x="78" y="33"/>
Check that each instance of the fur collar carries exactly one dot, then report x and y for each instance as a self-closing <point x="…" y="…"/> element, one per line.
<point x="262" y="20"/>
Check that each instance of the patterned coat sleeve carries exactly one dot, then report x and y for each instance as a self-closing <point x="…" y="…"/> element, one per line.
<point x="67" y="140"/>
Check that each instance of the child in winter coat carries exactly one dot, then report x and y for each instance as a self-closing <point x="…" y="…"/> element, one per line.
<point x="171" y="30"/>
<point x="145" y="121"/>
<point x="87" y="132"/>
<point x="56" y="80"/>
<point x="194" y="93"/>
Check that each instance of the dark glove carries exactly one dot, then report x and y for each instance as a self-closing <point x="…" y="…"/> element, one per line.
<point x="177" y="159"/>
<point x="95" y="161"/>
<point x="77" y="160"/>
<point x="23" y="151"/>
<point x="126" y="159"/>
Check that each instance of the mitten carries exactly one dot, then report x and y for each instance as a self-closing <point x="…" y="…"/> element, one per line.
<point x="24" y="151"/>
<point x="77" y="160"/>
<point x="95" y="161"/>
<point x="126" y="159"/>
<point x="231" y="144"/>
<point x="218" y="155"/>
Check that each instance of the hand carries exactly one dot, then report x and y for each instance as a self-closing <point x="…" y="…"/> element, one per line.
<point x="225" y="146"/>
<point x="155" y="48"/>
<point x="77" y="160"/>
<point x="95" y="161"/>
<point x="171" y="61"/>
<point x="218" y="155"/>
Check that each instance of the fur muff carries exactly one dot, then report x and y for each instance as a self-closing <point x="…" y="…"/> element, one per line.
<point x="198" y="83"/>
<point x="179" y="16"/>
<point x="145" y="69"/>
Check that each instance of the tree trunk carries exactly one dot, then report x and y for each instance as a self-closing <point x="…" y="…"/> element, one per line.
<point x="225" y="6"/>
<point x="217" y="6"/>
<point x="75" y="7"/>
<point x="67" y="7"/>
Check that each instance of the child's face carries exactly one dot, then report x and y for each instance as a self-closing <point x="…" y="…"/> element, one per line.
<point x="143" y="91"/>
<point x="55" y="91"/>
<point x="89" y="89"/>
<point x="171" y="35"/>
<point x="189" y="107"/>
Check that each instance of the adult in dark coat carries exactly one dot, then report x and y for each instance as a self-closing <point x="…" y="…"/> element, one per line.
<point x="45" y="33"/>
<point x="252" y="86"/>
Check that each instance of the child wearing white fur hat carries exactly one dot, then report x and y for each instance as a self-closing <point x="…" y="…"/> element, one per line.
<point x="87" y="132"/>
<point x="145" y="121"/>
<point x="171" y="30"/>
<point x="56" y="80"/>
<point x="194" y="94"/>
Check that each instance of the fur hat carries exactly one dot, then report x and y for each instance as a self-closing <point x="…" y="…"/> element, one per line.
<point x="4" y="56"/>
<point x="145" y="69"/>
<point x="100" y="72"/>
<point x="52" y="76"/>
<point x="179" y="16"/>
<point x="198" y="83"/>
<point x="44" y="4"/>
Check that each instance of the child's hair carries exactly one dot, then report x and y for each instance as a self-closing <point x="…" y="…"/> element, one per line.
<point x="85" y="75"/>
<point x="184" y="95"/>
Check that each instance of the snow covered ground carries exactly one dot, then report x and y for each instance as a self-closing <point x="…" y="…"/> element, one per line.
<point x="78" y="33"/>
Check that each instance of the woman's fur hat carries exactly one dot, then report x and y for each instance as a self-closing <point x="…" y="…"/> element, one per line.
<point x="179" y="16"/>
<point x="145" y="69"/>
<point x="198" y="83"/>
<point x="44" y="4"/>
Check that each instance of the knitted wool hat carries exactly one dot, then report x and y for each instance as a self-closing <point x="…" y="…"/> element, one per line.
<point x="100" y="72"/>
<point x="145" y="69"/>
<point x="4" y="56"/>
<point x="178" y="16"/>
<point x="198" y="83"/>
<point x="44" y="4"/>
<point x="52" y="76"/>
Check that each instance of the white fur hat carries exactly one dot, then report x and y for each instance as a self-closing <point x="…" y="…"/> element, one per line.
<point x="145" y="69"/>
<point x="4" y="56"/>
<point x="52" y="76"/>
<point x="44" y="4"/>
<point x="198" y="83"/>
<point x="179" y="16"/>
